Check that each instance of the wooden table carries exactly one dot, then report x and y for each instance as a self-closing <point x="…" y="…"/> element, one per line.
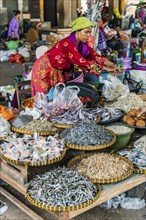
<point x="108" y="191"/>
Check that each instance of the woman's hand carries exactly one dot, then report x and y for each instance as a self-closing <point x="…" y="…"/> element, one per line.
<point x="112" y="70"/>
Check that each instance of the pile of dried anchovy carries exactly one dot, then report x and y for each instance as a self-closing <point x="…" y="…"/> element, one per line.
<point x="86" y="133"/>
<point x="102" y="166"/>
<point x="62" y="187"/>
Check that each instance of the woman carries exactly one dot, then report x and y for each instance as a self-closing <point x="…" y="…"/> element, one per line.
<point x="13" y="32"/>
<point x="69" y="53"/>
<point x="32" y="36"/>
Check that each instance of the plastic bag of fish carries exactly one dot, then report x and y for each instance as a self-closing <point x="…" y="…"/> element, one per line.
<point x="113" y="88"/>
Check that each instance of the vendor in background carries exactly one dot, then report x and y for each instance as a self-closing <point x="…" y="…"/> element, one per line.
<point x="68" y="54"/>
<point x="135" y="27"/>
<point x="32" y="36"/>
<point x="13" y="32"/>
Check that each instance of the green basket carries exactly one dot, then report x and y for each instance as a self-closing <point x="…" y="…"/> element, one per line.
<point x="121" y="139"/>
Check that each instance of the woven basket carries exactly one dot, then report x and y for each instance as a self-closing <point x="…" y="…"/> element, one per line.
<point x="77" y="147"/>
<point x="41" y="133"/>
<point x="65" y="208"/>
<point x="77" y="159"/>
<point x="29" y="103"/>
<point x="28" y="163"/>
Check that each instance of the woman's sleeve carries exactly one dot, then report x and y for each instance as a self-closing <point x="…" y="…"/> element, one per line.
<point x="74" y="57"/>
<point x="13" y="23"/>
<point x="100" y="60"/>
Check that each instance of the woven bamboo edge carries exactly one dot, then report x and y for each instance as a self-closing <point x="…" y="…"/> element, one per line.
<point x="2" y="138"/>
<point x="139" y="171"/>
<point x="62" y="125"/>
<point x="31" y="99"/>
<point x="43" y="133"/>
<point x="77" y="147"/>
<point x="64" y="208"/>
<point x="103" y="181"/>
<point x="37" y="164"/>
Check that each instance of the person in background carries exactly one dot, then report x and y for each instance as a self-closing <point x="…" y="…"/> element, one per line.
<point x="69" y="54"/>
<point x="142" y="14"/>
<point x="13" y="32"/>
<point x="135" y="27"/>
<point x="102" y="45"/>
<point x="4" y="33"/>
<point x="32" y="36"/>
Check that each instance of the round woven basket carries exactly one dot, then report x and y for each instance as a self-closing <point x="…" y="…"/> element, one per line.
<point x="29" y="103"/>
<point x="64" y="208"/>
<point x="77" y="159"/>
<point x="77" y="147"/>
<point x="41" y="133"/>
<point x="28" y="163"/>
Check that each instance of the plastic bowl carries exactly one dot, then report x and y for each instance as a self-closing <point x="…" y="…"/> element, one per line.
<point x="122" y="139"/>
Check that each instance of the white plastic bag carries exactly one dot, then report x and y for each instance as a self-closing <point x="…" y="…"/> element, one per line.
<point x="133" y="203"/>
<point x="113" y="88"/>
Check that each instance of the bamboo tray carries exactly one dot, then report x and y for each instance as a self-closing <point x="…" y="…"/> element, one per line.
<point x="28" y="163"/>
<point x="63" y="208"/>
<point x="77" y="147"/>
<point x="77" y="159"/>
<point x="29" y="103"/>
<point x="43" y="133"/>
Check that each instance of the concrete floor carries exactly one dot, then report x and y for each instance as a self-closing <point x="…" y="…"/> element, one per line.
<point x="7" y="73"/>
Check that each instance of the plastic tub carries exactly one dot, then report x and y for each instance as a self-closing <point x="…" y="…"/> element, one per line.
<point x="122" y="139"/>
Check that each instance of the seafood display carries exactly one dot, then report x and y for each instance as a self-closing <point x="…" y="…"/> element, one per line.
<point x="72" y="116"/>
<point x="132" y="118"/>
<point x="86" y="133"/>
<point x="42" y="127"/>
<point x="61" y="187"/>
<point x="136" y="156"/>
<point x="141" y="143"/>
<point x="31" y="150"/>
<point x="108" y="114"/>
<point x="102" y="166"/>
<point x="127" y="102"/>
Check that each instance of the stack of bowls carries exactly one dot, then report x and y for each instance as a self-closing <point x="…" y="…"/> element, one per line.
<point x="127" y="63"/>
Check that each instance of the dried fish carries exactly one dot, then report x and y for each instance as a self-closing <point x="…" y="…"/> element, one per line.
<point x="86" y="133"/>
<point x="102" y="166"/>
<point x="30" y="150"/>
<point x="62" y="187"/>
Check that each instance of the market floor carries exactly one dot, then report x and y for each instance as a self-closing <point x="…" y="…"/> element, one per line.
<point x="14" y="213"/>
<point x="7" y="73"/>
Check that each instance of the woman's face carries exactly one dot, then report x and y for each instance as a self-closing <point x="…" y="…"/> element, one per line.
<point x="83" y="35"/>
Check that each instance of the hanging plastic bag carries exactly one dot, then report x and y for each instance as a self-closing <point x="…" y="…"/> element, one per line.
<point x="113" y="88"/>
<point x="40" y="100"/>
